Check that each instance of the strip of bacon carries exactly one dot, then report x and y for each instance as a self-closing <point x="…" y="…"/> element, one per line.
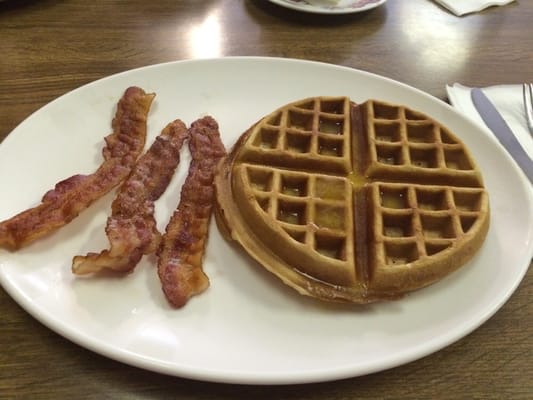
<point x="62" y="204"/>
<point x="131" y="228"/>
<point x="183" y="244"/>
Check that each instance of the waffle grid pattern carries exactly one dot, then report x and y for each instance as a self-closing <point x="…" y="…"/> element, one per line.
<point x="312" y="209"/>
<point x="409" y="209"/>
<point x="404" y="138"/>
<point x="314" y="132"/>
<point x="418" y="221"/>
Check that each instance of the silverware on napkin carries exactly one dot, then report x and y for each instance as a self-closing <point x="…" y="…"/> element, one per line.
<point x="527" y="90"/>
<point x="501" y="130"/>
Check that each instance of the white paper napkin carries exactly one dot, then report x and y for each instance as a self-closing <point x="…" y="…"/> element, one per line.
<point x="461" y="7"/>
<point x="508" y="100"/>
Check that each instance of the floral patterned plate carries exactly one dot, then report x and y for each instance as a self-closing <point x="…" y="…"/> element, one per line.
<point x="330" y="6"/>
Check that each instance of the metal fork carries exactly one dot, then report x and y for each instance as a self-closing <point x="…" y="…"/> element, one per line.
<point x="528" y="104"/>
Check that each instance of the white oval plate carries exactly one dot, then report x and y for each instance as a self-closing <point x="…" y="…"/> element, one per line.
<point x="342" y="6"/>
<point x="247" y="327"/>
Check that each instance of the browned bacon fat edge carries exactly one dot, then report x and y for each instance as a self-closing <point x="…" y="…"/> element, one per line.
<point x="183" y="245"/>
<point x="131" y="228"/>
<point x="62" y="204"/>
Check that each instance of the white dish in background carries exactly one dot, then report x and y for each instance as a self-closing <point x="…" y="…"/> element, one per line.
<point x="342" y="6"/>
<point x="247" y="327"/>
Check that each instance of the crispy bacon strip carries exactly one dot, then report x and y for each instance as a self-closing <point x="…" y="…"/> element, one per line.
<point x="183" y="245"/>
<point x="62" y="204"/>
<point x="131" y="228"/>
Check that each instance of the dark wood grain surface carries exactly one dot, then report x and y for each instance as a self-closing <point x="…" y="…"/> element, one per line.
<point x="50" y="47"/>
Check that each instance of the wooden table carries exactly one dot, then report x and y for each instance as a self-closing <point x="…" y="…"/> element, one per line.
<point x="49" y="47"/>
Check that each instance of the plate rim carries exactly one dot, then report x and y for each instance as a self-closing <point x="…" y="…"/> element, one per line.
<point x="309" y="8"/>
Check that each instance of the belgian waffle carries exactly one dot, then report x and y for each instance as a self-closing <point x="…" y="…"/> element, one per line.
<point x="352" y="202"/>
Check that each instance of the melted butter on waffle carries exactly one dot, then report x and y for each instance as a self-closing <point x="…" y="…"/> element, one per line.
<point x="357" y="180"/>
